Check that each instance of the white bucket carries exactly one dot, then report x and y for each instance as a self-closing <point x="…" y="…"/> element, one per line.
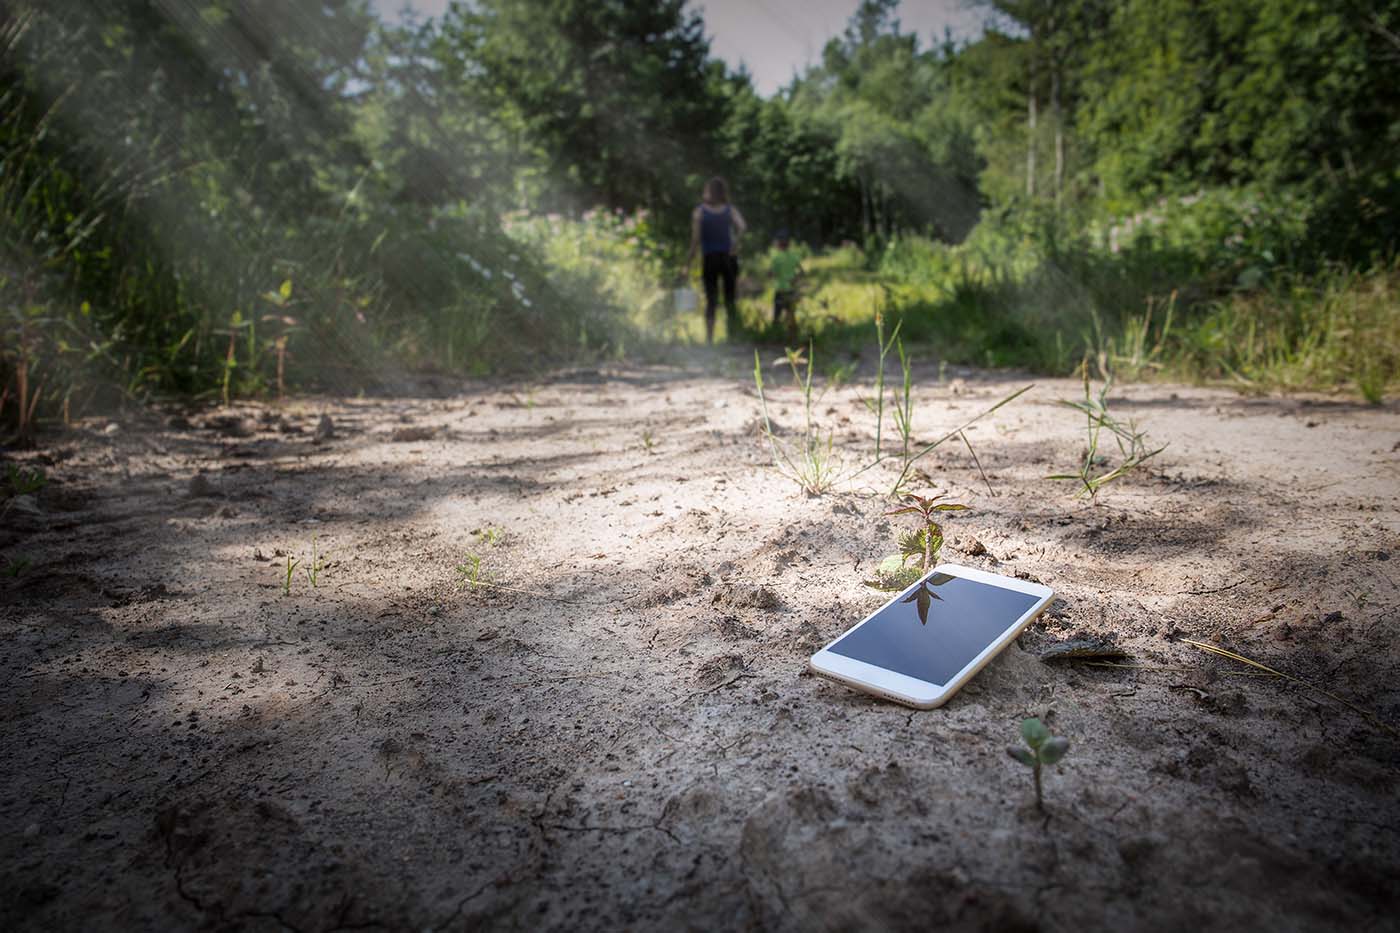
<point x="685" y="299"/>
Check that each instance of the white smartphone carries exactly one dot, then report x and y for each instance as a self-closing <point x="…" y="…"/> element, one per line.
<point x="922" y="646"/>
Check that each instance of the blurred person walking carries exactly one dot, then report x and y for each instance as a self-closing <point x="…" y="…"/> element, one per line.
<point x="715" y="229"/>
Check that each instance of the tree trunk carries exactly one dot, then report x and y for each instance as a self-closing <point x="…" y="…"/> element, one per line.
<point x="864" y="210"/>
<point x="1030" y="130"/>
<point x="1059" y="134"/>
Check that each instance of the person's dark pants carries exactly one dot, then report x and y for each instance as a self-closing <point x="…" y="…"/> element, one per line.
<point x="720" y="267"/>
<point x="785" y="300"/>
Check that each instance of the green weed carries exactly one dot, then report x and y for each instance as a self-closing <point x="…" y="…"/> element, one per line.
<point x="313" y="569"/>
<point x="810" y="462"/>
<point x="922" y="544"/>
<point x="1094" y="473"/>
<point x="1041" y="749"/>
<point x="292" y="565"/>
<point x="470" y="574"/>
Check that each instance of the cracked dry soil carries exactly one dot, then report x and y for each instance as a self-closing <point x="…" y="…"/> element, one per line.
<point x="619" y="734"/>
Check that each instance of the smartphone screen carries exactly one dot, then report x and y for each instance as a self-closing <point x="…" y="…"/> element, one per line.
<point x="931" y="632"/>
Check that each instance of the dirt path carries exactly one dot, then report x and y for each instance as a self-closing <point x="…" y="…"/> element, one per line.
<point x="620" y="733"/>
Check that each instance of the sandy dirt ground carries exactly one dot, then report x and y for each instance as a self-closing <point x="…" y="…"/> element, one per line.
<point x="619" y="733"/>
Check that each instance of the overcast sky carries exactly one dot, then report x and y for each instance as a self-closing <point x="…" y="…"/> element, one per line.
<point x="775" y="38"/>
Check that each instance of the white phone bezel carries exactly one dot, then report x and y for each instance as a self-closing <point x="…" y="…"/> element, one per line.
<point x="911" y="691"/>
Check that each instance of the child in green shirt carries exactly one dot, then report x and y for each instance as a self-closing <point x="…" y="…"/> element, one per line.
<point x="785" y="267"/>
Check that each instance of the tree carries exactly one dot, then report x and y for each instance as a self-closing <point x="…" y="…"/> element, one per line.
<point x="614" y="94"/>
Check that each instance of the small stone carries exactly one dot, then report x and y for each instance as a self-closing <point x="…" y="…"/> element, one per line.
<point x="232" y="425"/>
<point x="972" y="547"/>
<point x="413" y="434"/>
<point x="112" y="429"/>
<point x="31" y="830"/>
<point x="325" y="429"/>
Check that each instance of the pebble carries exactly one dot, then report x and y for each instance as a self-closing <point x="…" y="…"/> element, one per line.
<point x="972" y="547"/>
<point x="325" y="429"/>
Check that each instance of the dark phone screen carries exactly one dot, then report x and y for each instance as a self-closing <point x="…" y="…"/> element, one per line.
<point x="932" y="631"/>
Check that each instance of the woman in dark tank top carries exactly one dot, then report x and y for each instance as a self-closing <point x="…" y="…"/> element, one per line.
<point x="715" y="229"/>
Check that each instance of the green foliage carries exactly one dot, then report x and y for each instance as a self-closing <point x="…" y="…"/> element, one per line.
<point x="1337" y="328"/>
<point x="251" y="194"/>
<point x="617" y="257"/>
<point x="612" y="95"/>
<point x="1041" y="749"/>
<point x="154" y="218"/>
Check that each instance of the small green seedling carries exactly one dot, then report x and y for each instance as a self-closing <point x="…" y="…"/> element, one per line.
<point x="922" y="543"/>
<point x="16" y="567"/>
<point x="292" y="565"/>
<point x="1041" y="748"/>
<point x="313" y="569"/>
<point x="648" y="440"/>
<point x="469" y="572"/>
<point x="490" y="535"/>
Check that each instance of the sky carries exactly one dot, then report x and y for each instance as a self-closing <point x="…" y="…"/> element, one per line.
<point x="776" y="38"/>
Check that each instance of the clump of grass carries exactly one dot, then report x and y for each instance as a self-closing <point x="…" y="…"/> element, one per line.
<point x="809" y="462"/>
<point x="470" y="574"/>
<point x="1094" y="472"/>
<point x="1337" y="328"/>
<point x="1139" y="349"/>
<point x="1041" y="749"/>
<point x="922" y="544"/>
